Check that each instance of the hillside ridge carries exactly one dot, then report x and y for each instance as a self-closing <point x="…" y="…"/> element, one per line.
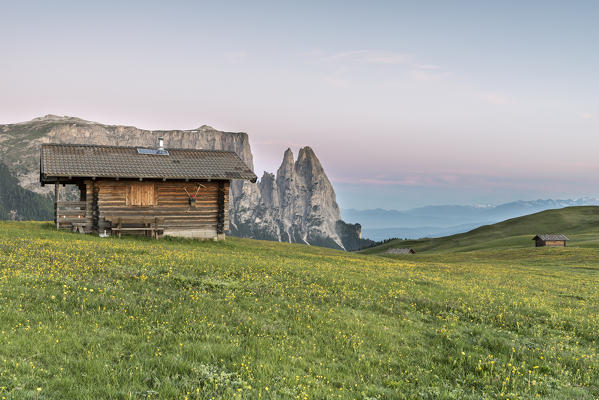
<point x="580" y="222"/>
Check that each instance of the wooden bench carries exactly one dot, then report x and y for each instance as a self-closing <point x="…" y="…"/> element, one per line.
<point x="150" y="225"/>
<point x="79" y="226"/>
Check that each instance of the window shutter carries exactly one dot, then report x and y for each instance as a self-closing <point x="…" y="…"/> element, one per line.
<point x="141" y="195"/>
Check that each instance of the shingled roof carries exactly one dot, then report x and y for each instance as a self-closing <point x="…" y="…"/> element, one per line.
<point x="551" y="237"/>
<point x="61" y="162"/>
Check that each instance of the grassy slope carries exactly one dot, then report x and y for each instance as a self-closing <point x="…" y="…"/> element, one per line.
<point x="580" y="224"/>
<point x="85" y="318"/>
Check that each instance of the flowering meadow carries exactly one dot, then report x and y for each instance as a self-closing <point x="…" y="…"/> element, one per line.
<point x="83" y="317"/>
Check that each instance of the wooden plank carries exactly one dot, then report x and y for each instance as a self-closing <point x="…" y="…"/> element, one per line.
<point x="171" y="221"/>
<point x="145" y="195"/>
<point x="160" y="214"/>
<point x="71" y="212"/>
<point x="212" y="219"/>
<point x="71" y="203"/>
<point x="70" y="220"/>
<point x="184" y="196"/>
<point x="172" y="225"/>
<point x="137" y="219"/>
<point x="211" y="216"/>
<point x="185" y="199"/>
<point x="128" y="218"/>
<point x="138" y="228"/>
<point x="160" y="210"/>
<point x="163" y="209"/>
<point x="149" y="195"/>
<point x="190" y="190"/>
<point x="186" y="204"/>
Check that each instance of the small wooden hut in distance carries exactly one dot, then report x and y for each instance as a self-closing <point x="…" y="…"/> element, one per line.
<point x="400" y="251"/>
<point x="173" y="192"/>
<point x="550" y="240"/>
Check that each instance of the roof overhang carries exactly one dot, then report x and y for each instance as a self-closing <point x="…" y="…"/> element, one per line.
<point x="44" y="179"/>
<point x="70" y="163"/>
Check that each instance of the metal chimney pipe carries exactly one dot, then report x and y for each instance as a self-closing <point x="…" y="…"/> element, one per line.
<point x="160" y="143"/>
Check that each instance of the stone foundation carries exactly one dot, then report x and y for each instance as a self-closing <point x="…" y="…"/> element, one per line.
<point x="204" y="234"/>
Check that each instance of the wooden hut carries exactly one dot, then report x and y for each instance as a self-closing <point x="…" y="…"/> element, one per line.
<point x="174" y="192"/>
<point x="550" y="240"/>
<point x="400" y="251"/>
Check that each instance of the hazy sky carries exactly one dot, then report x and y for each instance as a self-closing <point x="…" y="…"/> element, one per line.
<point x="405" y="104"/>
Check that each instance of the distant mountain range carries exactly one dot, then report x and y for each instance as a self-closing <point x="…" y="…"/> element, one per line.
<point x="437" y="221"/>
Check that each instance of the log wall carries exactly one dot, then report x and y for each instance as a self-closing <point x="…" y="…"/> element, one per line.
<point x="555" y="243"/>
<point x="560" y="243"/>
<point x="109" y="199"/>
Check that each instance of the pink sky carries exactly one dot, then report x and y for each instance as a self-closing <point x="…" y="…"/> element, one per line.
<point x="404" y="105"/>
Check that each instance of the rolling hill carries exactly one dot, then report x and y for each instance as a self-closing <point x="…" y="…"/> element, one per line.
<point x="580" y="224"/>
<point x="437" y="221"/>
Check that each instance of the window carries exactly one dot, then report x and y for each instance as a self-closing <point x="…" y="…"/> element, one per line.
<point x="141" y="195"/>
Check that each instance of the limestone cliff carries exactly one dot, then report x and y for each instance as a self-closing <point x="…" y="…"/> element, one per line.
<point x="298" y="205"/>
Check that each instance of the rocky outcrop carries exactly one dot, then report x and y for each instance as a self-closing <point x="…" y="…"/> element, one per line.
<point x="297" y="205"/>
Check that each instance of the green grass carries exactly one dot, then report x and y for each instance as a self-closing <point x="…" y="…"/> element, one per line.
<point x="580" y="224"/>
<point x="86" y="318"/>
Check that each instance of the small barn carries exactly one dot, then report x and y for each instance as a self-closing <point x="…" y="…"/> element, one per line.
<point x="557" y="240"/>
<point x="401" y="251"/>
<point x="155" y="192"/>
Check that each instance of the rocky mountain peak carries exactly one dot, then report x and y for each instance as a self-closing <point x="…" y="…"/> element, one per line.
<point x="51" y="117"/>
<point x="308" y="153"/>
<point x="287" y="165"/>
<point x="298" y="205"/>
<point x="308" y="165"/>
<point x="268" y="190"/>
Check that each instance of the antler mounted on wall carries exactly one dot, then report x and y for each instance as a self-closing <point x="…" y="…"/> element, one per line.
<point x="192" y="197"/>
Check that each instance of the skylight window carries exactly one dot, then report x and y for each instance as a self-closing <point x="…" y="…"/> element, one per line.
<point x="154" y="152"/>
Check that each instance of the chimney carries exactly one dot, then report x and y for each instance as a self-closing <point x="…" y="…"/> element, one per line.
<point x="160" y="143"/>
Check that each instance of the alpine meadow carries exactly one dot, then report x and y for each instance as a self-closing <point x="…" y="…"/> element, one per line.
<point x="85" y="317"/>
<point x="299" y="200"/>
